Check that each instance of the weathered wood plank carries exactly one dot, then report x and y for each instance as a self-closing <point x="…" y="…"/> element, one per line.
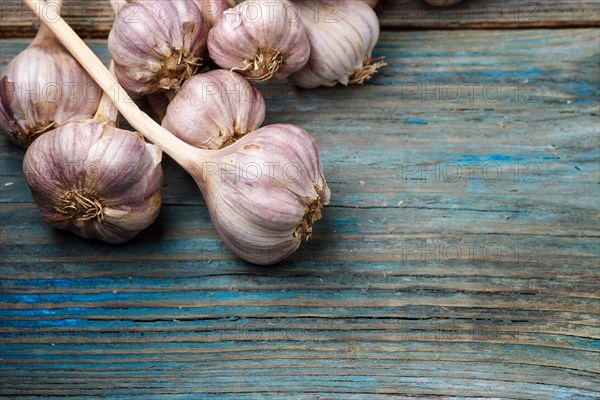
<point x="421" y="282"/>
<point x="93" y="19"/>
<point x="482" y="14"/>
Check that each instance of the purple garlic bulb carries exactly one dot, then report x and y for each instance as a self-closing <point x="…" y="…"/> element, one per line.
<point x="341" y="44"/>
<point x="157" y="44"/>
<point x="260" y="39"/>
<point x="41" y="88"/>
<point x="264" y="192"/>
<point x="214" y="109"/>
<point x="95" y="180"/>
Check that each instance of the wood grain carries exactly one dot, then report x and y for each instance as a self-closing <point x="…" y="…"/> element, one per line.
<point x="459" y="256"/>
<point x="489" y="14"/>
<point x="93" y="19"/>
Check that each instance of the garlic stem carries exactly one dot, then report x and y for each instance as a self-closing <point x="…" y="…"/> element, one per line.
<point x="183" y="153"/>
<point x="45" y="34"/>
<point x="107" y="111"/>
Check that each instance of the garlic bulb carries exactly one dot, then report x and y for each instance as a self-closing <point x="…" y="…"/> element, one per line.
<point x="41" y="88"/>
<point x="214" y="109"/>
<point x="156" y="44"/>
<point x="260" y="39"/>
<point x="263" y="192"/>
<point x="94" y="179"/>
<point x="340" y="51"/>
<point x="211" y="10"/>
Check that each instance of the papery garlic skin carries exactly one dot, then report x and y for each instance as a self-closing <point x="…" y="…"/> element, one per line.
<point x="157" y="44"/>
<point x="41" y="88"/>
<point x="342" y="35"/>
<point x="214" y="109"/>
<point x="95" y="180"/>
<point x="260" y="39"/>
<point x="211" y="10"/>
<point x="265" y="191"/>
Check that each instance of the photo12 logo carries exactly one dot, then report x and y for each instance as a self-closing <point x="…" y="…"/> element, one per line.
<point x="472" y="13"/>
<point x="453" y="172"/>
<point x="472" y="251"/>
<point x="464" y="92"/>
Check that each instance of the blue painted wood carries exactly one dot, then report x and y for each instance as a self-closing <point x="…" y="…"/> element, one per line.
<point x="94" y="18"/>
<point x="459" y="257"/>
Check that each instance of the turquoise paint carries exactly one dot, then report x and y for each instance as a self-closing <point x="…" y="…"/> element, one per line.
<point x="66" y="322"/>
<point x="416" y="121"/>
<point x="478" y="158"/>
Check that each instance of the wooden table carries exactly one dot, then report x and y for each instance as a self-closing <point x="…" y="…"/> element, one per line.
<point x="458" y="257"/>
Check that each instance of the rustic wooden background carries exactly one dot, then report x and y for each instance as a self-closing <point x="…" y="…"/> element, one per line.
<point x="458" y="258"/>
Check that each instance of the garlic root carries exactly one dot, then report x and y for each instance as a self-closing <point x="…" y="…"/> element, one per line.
<point x="266" y="63"/>
<point x="81" y="205"/>
<point x="371" y="66"/>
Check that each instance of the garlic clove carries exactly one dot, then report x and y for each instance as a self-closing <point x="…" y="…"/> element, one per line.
<point x="341" y="52"/>
<point x="157" y="44"/>
<point x="265" y="192"/>
<point x="214" y="109"/>
<point x="261" y="40"/>
<point x="111" y="168"/>
<point x="95" y="180"/>
<point x="41" y="88"/>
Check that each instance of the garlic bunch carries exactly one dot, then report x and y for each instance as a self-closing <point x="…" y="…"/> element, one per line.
<point x="341" y="44"/>
<point x="211" y="10"/>
<point x="264" y="192"/>
<point x="157" y="44"/>
<point x="260" y="39"/>
<point x="42" y="87"/>
<point x="94" y="179"/>
<point x="214" y="109"/>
